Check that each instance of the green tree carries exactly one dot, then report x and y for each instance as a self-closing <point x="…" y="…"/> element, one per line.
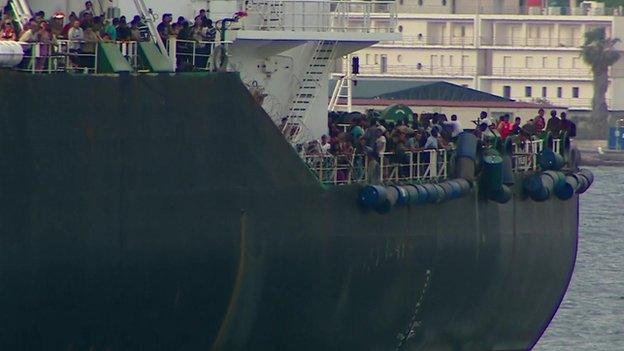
<point x="599" y="53"/>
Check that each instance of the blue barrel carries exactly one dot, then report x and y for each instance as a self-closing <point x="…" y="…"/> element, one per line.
<point x="587" y="174"/>
<point x="532" y="183"/>
<point x="466" y="146"/>
<point x="508" y="176"/>
<point x="541" y="195"/>
<point x="464" y="186"/>
<point x="435" y="193"/>
<point x="621" y="138"/>
<point x="492" y="172"/>
<point x="393" y="195"/>
<point x="450" y="192"/>
<point x="413" y="194"/>
<point x="502" y="195"/>
<point x="549" y="160"/>
<point x="614" y="137"/>
<point x="373" y="195"/>
<point x="458" y="191"/>
<point x="583" y="184"/>
<point x="572" y="179"/>
<point x="423" y="196"/>
<point x="557" y="177"/>
<point x="403" y="199"/>
<point x="565" y="190"/>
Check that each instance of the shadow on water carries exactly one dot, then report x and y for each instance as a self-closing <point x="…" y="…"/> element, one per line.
<point x="591" y="316"/>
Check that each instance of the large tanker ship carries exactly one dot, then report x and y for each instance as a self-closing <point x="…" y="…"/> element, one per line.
<point x="149" y="210"/>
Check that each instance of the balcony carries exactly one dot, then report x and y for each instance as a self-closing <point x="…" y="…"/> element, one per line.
<point x="574" y="103"/>
<point x="420" y="41"/>
<point x="418" y="71"/>
<point x="521" y="41"/>
<point x="516" y="10"/>
<point x="540" y="73"/>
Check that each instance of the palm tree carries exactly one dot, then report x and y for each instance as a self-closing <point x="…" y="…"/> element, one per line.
<point x="599" y="53"/>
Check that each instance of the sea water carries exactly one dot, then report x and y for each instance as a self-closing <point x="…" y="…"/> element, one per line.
<point x="591" y="316"/>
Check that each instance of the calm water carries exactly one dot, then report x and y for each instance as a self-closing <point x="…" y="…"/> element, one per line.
<point x="592" y="315"/>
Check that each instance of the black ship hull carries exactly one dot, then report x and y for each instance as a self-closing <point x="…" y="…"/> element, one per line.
<point x="168" y="213"/>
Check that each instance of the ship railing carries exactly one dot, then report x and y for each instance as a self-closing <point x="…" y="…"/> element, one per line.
<point x="525" y="157"/>
<point x="60" y="56"/>
<point x="340" y="169"/>
<point x="70" y="56"/>
<point x="426" y="165"/>
<point x="196" y="55"/>
<point x="319" y="16"/>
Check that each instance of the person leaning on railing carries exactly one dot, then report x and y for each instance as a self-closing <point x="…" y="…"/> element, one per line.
<point x="7" y="32"/>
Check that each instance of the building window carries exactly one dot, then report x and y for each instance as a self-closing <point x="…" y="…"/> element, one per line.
<point x="463" y="31"/>
<point x="575" y="62"/>
<point x="400" y="2"/>
<point x="544" y="62"/>
<point x="420" y="2"/>
<point x="400" y="29"/>
<point x="443" y="2"/>
<point x="399" y="58"/>
<point x="559" y="62"/>
<point x="376" y="59"/>
<point x="507" y="91"/>
<point x="368" y="59"/>
<point x="441" y="60"/>
<point x="576" y="92"/>
<point x="559" y="92"/>
<point x="528" y="62"/>
<point x="544" y="92"/>
<point x="528" y="92"/>
<point x="451" y="59"/>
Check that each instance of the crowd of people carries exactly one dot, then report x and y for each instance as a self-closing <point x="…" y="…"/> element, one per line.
<point x="88" y="25"/>
<point x="86" y="28"/>
<point x="375" y="137"/>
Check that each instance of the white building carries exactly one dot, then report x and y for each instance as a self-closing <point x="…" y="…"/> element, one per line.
<point x="501" y="47"/>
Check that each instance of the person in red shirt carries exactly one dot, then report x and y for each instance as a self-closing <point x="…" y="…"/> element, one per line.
<point x="539" y="122"/>
<point x="505" y="127"/>
<point x="7" y="32"/>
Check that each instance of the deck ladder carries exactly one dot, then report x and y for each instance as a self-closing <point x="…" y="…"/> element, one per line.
<point x="308" y="90"/>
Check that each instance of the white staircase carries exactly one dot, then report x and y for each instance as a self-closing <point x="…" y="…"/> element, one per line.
<point x="342" y="92"/>
<point x="308" y="90"/>
<point x="21" y="11"/>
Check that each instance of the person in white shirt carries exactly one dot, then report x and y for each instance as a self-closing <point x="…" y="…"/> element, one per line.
<point x="30" y="34"/>
<point x="456" y="127"/>
<point x="75" y="36"/>
<point x="380" y="144"/>
<point x="325" y="145"/>
<point x="432" y="140"/>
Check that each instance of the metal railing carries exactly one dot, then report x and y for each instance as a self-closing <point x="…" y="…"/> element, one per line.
<point x="524" y="41"/>
<point x="418" y="70"/>
<point x="60" y="56"/>
<point x="525" y="156"/>
<point x="70" y="56"/>
<point x="420" y="40"/>
<point x="470" y="8"/>
<point x="319" y="16"/>
<point x="194" y="55"/>
<point x="423" y="166"/>
<point x="542" y="72"/>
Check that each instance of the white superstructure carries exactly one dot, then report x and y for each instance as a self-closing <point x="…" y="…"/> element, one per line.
<point x="284" y="50"/>
<point x="498" y="46"/>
